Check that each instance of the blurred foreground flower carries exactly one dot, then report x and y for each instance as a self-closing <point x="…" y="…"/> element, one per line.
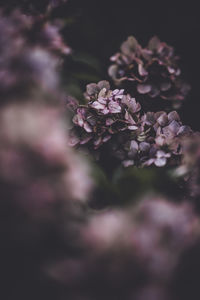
<point x="129" y="253"/>
<point x="28" y="55"/>
<point x="39" y="173"/>
<point x="43" y="182"/>
<point x="35" y="160"/>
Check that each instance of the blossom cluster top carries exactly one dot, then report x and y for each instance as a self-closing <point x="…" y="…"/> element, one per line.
<point x="152" y="71"/>
<point x="113" y="120"/>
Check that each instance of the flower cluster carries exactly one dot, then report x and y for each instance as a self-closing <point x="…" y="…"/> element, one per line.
<point x="114" y="118"/>
<point x="168" y="132"/>
<point x="152" y="71"/>
<point x="106" y="113"/>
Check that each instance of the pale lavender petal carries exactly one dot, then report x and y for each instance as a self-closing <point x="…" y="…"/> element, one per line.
<point x="173" y="116"/>
<point x="171" y="70"/>
<point x="102" y="100"/>
<point x="132" y="127"/>
<point x="106" y="138"/>
<point x="129" y="118"/>
<point x="163" y="120"/>
<point x="103" y="92"/>
<point x="121" y="92"/>
<point x="87" y="127"/>
<point x="85" y="139"/>
<point x="184" y="130"/>
<point x="160" y="162"/>
<point x="105" y="111"/>
<point x="149" y="162"/>
<point x="144" y="147"/>
<point x="109" y="121"/>
<point x="160" y="154"/>
<point x="115" y="92"/>
<point x="160" y="140"/>
<point x="98" y="142"/>
<point x="174" y="127"/>
<point x="97" y="105"/>
<point x="134" y="145"/>
<point x="142" y="71"/>
<point x="78" y="120"/>
<point x="143" y="88"/>
<point x="114" y="107"/>
<point x="119" y="97"/>
<point x="128" y="163"/>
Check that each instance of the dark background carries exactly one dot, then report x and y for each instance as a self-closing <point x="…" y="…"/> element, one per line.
<point x="99" y="27"/>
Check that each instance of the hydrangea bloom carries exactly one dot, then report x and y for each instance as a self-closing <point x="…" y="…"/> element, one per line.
<point x="115" y="119"/>
<point x="153" y="71"/>
<point x="106" y="113"/>
<point x="167" y="132"/>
